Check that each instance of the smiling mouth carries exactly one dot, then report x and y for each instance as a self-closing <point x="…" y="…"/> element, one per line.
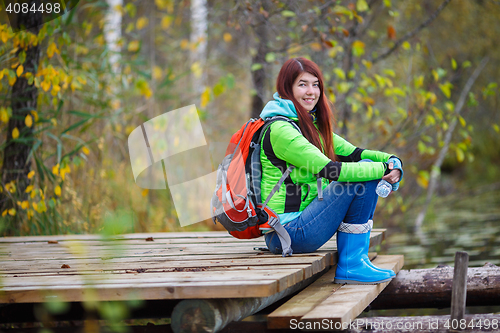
<point x="308" y="100"/>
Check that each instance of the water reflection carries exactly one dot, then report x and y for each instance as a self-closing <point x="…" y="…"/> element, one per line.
<point x="466" y="221"/>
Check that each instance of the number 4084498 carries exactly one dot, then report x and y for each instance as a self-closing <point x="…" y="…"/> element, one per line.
<point x="26" y="8"/>
<point x="472" y="324"/>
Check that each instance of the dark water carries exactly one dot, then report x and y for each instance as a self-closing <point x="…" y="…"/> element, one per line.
<point x="466" y="221"/>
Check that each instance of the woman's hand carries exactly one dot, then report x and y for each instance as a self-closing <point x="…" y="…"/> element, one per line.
<point x="393" y="176"/>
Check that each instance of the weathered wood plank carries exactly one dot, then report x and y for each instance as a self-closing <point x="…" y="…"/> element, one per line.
<point x="349" y="301"/>
<point x="306" y="300"/>
<point x="31" y="268"/>
<point x="122" y="292"/>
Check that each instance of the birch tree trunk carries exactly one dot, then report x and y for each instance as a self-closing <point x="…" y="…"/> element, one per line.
<point x="113" y="33"/>
<point x="199" y="38"/>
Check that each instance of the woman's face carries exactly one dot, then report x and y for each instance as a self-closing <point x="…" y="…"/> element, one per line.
<point x="306" y="90"/>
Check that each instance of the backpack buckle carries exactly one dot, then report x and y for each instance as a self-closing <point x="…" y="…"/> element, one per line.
<point x="249" y="211"/>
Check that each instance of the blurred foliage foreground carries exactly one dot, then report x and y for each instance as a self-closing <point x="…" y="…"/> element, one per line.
<point x="397" y="72"/>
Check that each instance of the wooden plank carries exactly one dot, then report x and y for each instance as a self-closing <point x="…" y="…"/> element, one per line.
<point x="161" y="235"/>
<point x="306" y="300"/>
<point x="81" y="267"/>
<point x="122" y="292"/>
<point x="182" y="264"/>
<point x="349" y="301"/>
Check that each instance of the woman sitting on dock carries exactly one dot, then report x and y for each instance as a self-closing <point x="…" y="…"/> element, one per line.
<point x="326" y="162"/>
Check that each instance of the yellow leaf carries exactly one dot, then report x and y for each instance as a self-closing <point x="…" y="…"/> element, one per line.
<point x="205" y="98"/>
<point x="462" y="121"/>
<point x="55" y="169"/>
<point x="141" y="23"/>
<point x="35" y="206"/>
<point x="315" y="46"/>
<point x="184" y="44"/>
<point x="4" y="212"/>
<point x="362" y="6"/>
<point x="4" y="115"/>
<point x="460" y="155"/>
<point x="25" y="204"/>
<point x="227" y="37"/>
<point x="55" y="89"/>
<point x="166" y="21"/>
<point x="145" y="192"/>
<point x="28" y="121"/>
<point x="51" y="49"/>
<point x="29" y="188"/>
<point x="12" y="212"/>
<point x="496" y="128"/>
<point x="45" y="85"/>
<point x="57" y="190"/>
<point x="64" y="171"/>
<point x="435" y="75"/>
<point x="196" y="69"/>
<point x="15" y="133"/>
<point x="4" y="36"/>
<point x="406" y="45"/>
<point x="31" y="174"/>
<point x="20" y="70"/>
<point x="157" y="72"/>
<point x="53" y="121"/>
<point x="453" y="64"/>
<point x="422" y="181"/>
<point x="12" y="80"/>
<point x="133" y="46"/>
<point x="85" y="150"/>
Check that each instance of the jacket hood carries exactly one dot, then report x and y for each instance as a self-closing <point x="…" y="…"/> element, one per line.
<point x="279" y="107"/>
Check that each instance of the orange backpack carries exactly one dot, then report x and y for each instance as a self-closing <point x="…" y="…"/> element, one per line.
<point x="236" y="202"/>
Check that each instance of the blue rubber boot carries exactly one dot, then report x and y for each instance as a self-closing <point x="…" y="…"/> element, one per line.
<point x="352" y="246"/>
<point x="367" y="259"/>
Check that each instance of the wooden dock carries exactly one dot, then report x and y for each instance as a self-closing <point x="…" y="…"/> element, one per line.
<point x="161" y="266"/>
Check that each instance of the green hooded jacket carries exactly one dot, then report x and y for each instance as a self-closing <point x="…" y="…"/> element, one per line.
<point x="282" y="145"/>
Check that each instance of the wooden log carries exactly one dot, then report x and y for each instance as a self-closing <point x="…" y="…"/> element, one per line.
<point x="459" y="289"/>
<point x="212" y="315"/>
<point x="431" y="288"/>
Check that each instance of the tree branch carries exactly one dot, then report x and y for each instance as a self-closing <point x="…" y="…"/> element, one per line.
<point x="412" y="33"/>
<point x="447" y="139"/>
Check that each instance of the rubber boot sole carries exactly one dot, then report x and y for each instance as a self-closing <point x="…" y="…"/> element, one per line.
<point x="347" y="281"/>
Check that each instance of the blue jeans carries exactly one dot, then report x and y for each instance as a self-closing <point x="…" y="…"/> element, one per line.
<point x="349" y="202"/>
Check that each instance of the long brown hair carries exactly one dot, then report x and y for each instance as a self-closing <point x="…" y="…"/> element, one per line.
<point x="324" y="116"/>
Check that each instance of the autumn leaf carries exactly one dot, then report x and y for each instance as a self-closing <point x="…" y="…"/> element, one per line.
<point x="28" y="121"/>
<point x="57" y="190"/>
<point x="141" y="23"/>
<point x="391" y="32"/>
<point x="20" y="70"/>
<point x="51" y="49"/>
<point x="166" y="21"/>
<point x="362" y="6"/>
<point x="205" y="98"/>
<point x="15" y="133"/>
<point x="55" y="169"/>
<point x="227" y="37"/>
<point x="31" y="174"/>
<point x="133" y="46"/>
<point x="453" y="64"/>
<point x="345" y="32"/>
